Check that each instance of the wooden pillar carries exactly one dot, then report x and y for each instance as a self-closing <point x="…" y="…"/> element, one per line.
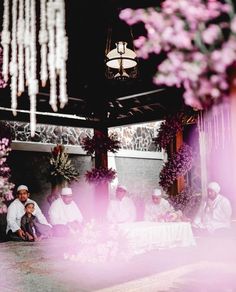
<point x="179" y="143"/>
<point x="101" y="193"/>
<point x="172" y="149"/>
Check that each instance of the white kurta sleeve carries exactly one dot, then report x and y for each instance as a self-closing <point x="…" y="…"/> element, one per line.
<point x="111" y="214"/>
<point x="222" y="212"/>
<point x="77" y="213"/>
<point x="55" y="214"/>
<point x="38" y="213"/>
<point x="11" y="218"/>
<point x="131" y="212"/>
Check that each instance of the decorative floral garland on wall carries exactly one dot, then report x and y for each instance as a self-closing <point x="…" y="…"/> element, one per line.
<point x="168" y="130"/>
<point x="6" y="186"/>
<point x="199" y="43"/>
<point x="100" y="175"/>
<point x="178" y="165"/>
<point x="100" y="143"/>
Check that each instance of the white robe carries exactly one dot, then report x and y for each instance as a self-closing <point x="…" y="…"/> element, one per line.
<point x="16" y="210"/>
<point x="153" y="211"/>
<point x="61" y="213"/>
<point x="120" y="211"/>
<point x="217" y="214"/>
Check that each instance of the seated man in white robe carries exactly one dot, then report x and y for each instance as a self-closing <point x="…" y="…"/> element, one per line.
<point x="158" y="208"/>
<point x="65" y="215"/>
<point x="122" y="208"/>
<point x="15" y="212"/>
<point x="217" y="212"/>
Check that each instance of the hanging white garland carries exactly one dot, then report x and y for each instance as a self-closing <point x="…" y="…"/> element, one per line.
<point x="23" y="41"/>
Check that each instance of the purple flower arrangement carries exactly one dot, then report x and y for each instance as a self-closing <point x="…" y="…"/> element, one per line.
<point x="168" y="130"/>
<point x="176" y="166"/>
<point x="100" y="175"/>
<point x="100" y="143"/>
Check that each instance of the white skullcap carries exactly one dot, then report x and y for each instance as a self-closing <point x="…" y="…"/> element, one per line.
<point x="66" y="192"/>
<point x="214" y="186"/>
<point x="22" y="187"/>
<point x="121" y="187"/>
<point x="156" y="193"/>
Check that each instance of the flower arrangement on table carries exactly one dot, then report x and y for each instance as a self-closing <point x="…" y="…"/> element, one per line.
<point x="176" y="166"/>
<point x="61" y="168"/>
<point x="186" y="201"/>
<point x="198" y="39"/>
<point x="170" y="216"/>
<point x="168" y="130"/>
<point x="100" y="143"/>
<point x="99" y="243"/>
<point x="6" y="186"/>
<point x="100" y="175"/>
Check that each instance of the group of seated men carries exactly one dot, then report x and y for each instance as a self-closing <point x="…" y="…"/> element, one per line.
<point x="25" y="220"/>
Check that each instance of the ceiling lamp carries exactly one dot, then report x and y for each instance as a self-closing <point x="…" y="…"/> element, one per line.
<point x="20" y="39"/>
<point x="121" y="58"/>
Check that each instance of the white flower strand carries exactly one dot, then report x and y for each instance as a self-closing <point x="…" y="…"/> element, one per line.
<point x="6" y="39"/>
<point x="27" y="41"/>
<point x="61" y="52"/>
<point x="51" y="54"/>
<point x="23" y="62"/>
<point x="13" y="63"/>
<point x="33" y="84"/>
<point x="20" y="42"/>
<point x="43" y="40"/>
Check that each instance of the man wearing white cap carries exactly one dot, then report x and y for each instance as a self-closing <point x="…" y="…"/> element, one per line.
<point x="64" y="214"/>
<point x="15" y="212"/>
<point x="217" y="212"/>
<point x="157" y="207"/>
<point x="122" y="208"/>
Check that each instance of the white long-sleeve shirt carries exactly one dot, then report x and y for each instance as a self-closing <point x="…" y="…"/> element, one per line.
<point x="121" y="211"/>
<point x="153" y="211"/>
<point x="61" y="213"/>
<point x="17" y="209"/>
<point x="217" y="214"/>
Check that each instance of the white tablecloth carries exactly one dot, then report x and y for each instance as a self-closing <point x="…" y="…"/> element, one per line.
<point x="145" y="236"/>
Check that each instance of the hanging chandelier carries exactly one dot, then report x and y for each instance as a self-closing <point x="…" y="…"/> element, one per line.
<point x="20" y="57"/>
<point x="121" y="58"/>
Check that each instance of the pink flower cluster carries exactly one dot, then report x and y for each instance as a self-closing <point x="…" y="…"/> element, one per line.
<point x="199" y="40"/>
<point x="5" y="186"/>
<point x="176" y="166"/>
<point x="100" y="144"/>
<point x="100" y="175"/>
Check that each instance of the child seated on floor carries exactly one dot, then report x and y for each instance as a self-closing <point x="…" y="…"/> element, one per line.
<point x="34" y="231"/>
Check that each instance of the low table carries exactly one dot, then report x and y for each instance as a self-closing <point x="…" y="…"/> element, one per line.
<point x="146" y="236"/>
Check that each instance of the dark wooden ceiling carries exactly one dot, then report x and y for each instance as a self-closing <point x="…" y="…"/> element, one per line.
<point x="101" y="101"/>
